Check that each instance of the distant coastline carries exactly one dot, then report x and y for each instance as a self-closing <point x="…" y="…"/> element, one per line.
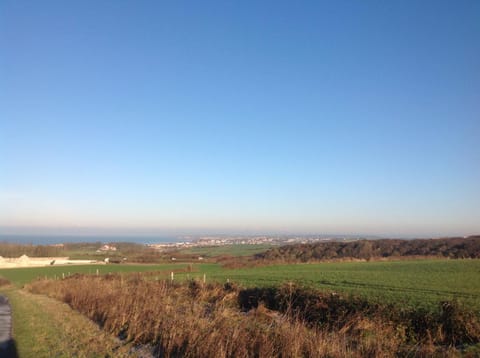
<point x="178" y="241"/>
<point x="60" y="239"/>
<point x="162" y="242"/>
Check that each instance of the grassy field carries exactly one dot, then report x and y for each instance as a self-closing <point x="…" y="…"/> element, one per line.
<point x="215" y="320"/>
<point x="40" y="326"/>
<point x="232" y="250"/>
<point x="20" y="276"/>
<point x="422" y="283"/>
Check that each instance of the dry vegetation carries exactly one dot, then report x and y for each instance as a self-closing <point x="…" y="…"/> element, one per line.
<point x="4" y="282"/>
<point x="196" y="320"/>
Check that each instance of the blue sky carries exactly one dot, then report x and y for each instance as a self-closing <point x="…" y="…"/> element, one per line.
<point x="345" y="117"/>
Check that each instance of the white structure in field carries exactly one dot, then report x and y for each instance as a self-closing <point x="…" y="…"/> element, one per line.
<point x="107" y="247"/>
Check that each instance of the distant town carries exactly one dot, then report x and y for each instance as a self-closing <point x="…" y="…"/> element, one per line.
<point x="204" y="241"/>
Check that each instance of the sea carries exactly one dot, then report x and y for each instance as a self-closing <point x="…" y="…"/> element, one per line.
<point x="61" y="239"/>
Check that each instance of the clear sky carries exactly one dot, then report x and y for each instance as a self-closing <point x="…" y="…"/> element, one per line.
<point x="346" y="117"/>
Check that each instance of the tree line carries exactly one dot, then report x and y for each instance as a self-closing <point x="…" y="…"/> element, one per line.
<point x="8" y="249"/>
<point x="456" y="248"/>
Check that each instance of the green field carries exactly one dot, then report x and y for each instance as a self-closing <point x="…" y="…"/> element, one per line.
<point x="232" y="250"/>
<point x="20" y="276"/>
<point x="420" y="283"/>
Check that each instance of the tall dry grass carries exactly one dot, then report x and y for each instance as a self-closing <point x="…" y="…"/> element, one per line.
<point x="193" y="320"/>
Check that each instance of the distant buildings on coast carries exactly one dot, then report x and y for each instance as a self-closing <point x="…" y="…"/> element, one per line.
<point x="204" y="241"/>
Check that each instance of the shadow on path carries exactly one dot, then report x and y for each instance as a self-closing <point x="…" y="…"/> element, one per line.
<point x="8" y="349"/>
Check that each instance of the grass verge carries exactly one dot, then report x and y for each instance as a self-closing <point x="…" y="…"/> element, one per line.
<point x="43" y="327"/>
